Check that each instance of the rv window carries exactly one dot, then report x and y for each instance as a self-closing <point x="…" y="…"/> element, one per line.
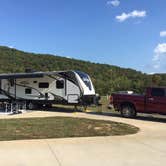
<point x="59" y="84"/>
<point x="28" y="91"/>
<point x="85" y="79"/>
<point x="11" y="82"/>
<point x="43" y="85"/>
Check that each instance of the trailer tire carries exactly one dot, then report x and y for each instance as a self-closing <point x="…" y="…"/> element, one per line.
<point x="128" y="111"/>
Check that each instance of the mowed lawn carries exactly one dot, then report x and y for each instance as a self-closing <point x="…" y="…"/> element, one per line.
<point x="60" y="127"/>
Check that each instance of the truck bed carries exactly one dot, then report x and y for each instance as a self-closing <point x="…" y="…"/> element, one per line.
<point x="136" y="99"/>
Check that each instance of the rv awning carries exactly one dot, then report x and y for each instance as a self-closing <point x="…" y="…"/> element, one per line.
<point x="28" y="75"/>
<point x="20" y="75"/>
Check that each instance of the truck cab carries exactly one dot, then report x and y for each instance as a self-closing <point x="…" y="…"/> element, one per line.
<point x="156" y="100"/>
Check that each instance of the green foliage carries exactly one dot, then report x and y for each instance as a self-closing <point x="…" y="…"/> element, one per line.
<point x="106" y="78"/>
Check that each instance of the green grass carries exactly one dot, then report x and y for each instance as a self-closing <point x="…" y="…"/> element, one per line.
<point x="60" y="127"/>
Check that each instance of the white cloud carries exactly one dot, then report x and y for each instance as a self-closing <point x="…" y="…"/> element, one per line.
<point x="159" y="58"/>
<point x="160" y="49"/>
<point x="163" y="34"/>
<point x="11" y="46"/>
<point x="114" y="3"/>
<point x="133" y="14"/>
<point x="68" y="57"/>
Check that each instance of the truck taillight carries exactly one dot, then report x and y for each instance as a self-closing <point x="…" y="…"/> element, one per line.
<point x="111" y="99"/>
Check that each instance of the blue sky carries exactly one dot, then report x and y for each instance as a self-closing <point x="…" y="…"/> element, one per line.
<point x="126" y="33"/>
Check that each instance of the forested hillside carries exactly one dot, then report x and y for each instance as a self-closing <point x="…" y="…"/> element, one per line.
<point x="106" y="78"/>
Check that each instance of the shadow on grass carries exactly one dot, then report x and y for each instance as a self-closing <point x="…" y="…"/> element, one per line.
<point x="61" y="109"/>
<point x="143" y="117"/>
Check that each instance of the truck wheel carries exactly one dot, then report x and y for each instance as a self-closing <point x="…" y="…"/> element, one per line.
<point x="128" y="111"/>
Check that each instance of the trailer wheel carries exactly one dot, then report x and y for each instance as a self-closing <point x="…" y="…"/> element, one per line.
<point x="128" y="111"/>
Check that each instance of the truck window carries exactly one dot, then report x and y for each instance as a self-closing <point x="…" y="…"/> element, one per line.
<point x="158" y="92"/>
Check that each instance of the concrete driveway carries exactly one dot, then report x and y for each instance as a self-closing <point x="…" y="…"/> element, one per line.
<point x="147" y="148"/>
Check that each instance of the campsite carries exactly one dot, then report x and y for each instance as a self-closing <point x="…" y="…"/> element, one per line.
<point x="82" y="83"/>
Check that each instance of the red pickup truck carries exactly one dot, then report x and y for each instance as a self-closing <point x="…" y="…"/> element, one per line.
<point x="154" y="101"/>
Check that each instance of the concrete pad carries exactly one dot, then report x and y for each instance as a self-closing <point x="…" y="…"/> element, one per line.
<point x="147" y="148"/>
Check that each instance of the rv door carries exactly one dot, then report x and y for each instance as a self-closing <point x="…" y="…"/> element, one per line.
<point x="61" y="87"/>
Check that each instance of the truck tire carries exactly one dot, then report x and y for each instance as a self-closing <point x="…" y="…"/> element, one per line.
<point x="128" y="111"/>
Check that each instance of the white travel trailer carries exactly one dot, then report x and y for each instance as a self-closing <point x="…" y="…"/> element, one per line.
<point x="46" y="88"/>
